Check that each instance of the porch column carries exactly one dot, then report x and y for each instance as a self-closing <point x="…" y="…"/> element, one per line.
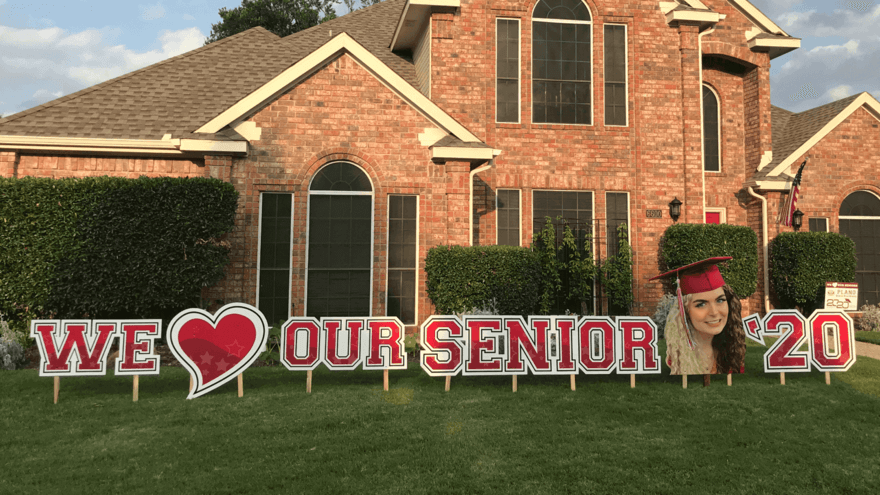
<point x="457" y="203"/>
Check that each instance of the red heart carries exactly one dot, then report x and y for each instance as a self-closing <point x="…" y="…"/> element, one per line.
<point x="217" y="348"/>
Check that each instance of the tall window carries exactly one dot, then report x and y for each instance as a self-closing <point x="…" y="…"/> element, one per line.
<point x="860" y="221"/>
<point x="507" y="209"/>
<point x="402" y="247"/>
<point x="340" y="243"/>
<point x="615" y="74"/>
<point x="561" y="62"/>
<point x="818" y="224"/>
<point x="711" y="131"/>
<point x="273" y="288"/>
<point x="507" y="70"/>
<point x="575" y="208"/>
<point x="616" y="213"/>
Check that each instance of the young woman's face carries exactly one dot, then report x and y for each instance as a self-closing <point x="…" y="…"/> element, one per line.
<point x="708" y="311"/>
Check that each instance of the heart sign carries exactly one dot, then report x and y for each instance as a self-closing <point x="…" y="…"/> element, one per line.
<point x="215" y="349"/>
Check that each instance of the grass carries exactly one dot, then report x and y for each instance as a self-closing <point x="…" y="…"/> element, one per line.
<point x="349" y="436"/>
<point x="869" y="337"/>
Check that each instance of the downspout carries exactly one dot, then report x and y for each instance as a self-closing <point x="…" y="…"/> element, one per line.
<point x="764" y="235"/>
<point x="702" y="117"/>
<point x="471" y="202"/>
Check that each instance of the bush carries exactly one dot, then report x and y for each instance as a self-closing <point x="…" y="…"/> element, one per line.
<point x="802" y="262"/>
<point x="567" y="268"/>
<point x="110" y="247"/>
<point x="11" y="352"/>
<point x="501" y="279"/>
<point x="870" y="320"/>
<point x="685" y="243"/>
<point x="666" y="304"/>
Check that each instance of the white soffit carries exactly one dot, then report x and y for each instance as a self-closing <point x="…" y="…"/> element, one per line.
<point x="413" y="17"/>
<point x="871" y="105"/>
<point x="457" y="153"/>
<point x="757" y="17"/>
<point x="314" y="61"/>
<point x="137" y="146"/>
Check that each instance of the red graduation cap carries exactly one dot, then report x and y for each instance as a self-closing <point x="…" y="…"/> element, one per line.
<point x="701" y="276"/>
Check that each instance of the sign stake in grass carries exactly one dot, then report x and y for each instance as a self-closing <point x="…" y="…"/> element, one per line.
<point x="573" y="388"/>
<point x="707" y="379"/>
<point x="57" y="388"/>
<point x="729" y="379"/>
<point x="684" y="381"/>
<point x="241" y="385"/>
<point x="632" y="381"/>
<point x="309" y="381"/>
<point x="385" y="379"/>
<point x="514" y="383"/>
<point x="448" y="382"/>
<point x="782" y="378"/>
<point x="134" y="393"/>
<point x="827" y="378"/>
<point x="190" y="383"/>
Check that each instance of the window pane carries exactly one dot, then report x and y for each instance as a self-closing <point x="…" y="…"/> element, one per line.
<point x="560" y="64"/>
<point x="507" y="71"/>
<point x="402" y="257"/>
<point x="508" y="218"/>
<point x="274" y="269"/>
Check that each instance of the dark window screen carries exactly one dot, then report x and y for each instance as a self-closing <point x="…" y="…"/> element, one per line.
<point x="616" y="214"/>
<point x="866" y="234"/>
<point x="507" y="67"/>
<point x="615" y="75"/>
<point x="575" y="208"/>
<point x="274" y="301"/>
<point x="508" y="218"/>
<point x="711" y="143"/>
<point x="402" y="257"/>
<point x="561" y="88"/>
<point x="340" y="255"/>
<point x="818" y="225"/>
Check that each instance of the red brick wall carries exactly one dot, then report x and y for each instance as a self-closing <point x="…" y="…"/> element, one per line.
<point x="85" y="166"/>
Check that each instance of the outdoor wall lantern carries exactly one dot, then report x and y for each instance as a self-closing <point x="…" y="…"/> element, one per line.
<point x="797" y="219"/>
<point x="675" y="209"/>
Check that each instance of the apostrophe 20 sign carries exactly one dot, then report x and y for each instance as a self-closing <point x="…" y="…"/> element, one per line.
<point x="828" y="335"/>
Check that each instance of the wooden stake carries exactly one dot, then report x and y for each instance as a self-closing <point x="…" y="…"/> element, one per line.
<point x="632" y="381"/>
<point x="309" y="381"/>
<point x="514" y="383"/>
<point x="57" y="387"/>
<point x="572" y="383"/>
<point x="190" y="383"/>
<point x="782" y="378"/>
<point x="729" y="379"/>
<point x="684" y="381"/>
<point x="827" y="378"/>
<point x="448" y="382"/>
<point x="134" y="397"/>
<point x="240" y="385"/>
<point x="706" y="380"/>
<point x="385" y="379"/>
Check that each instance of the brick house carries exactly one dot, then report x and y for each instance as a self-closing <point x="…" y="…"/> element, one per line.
<point x="359" y="144"/>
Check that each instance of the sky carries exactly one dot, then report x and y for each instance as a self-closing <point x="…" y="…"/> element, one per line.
<point x="49" y="49"/>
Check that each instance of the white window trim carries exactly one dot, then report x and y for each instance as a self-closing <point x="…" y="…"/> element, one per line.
<point x="703" y="133"/>
<point x="309" y="227"/>
<point x="711" y="209"/>
<point x="592" y="82"/>
<point x="518" y="71"/>
<point x="625" y="64"/>
<point x="857" y="217"/>
<point x="388" y="261"/>
<point x="519" y="210"/>
<point x="290" y="254"/>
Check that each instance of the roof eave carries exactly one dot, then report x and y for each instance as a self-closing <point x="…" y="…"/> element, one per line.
<point x="413" y="17"/>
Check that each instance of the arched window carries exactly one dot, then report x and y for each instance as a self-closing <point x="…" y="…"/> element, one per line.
<point x="711" y="131"/>
<point x="860" y="221"/>
<point x="561" y="62"/>
<point x="340" y="242"/>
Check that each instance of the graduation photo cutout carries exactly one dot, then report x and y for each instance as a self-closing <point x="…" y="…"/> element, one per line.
<point x="704" y="333"/>
<point x="217" y="348"/>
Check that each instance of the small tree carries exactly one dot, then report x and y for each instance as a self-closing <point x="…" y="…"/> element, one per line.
<point x="282" y="17"/>
<point x="619" y="275"/>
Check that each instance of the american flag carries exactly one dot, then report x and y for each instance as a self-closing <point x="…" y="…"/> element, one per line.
<point x="791" y="202"/>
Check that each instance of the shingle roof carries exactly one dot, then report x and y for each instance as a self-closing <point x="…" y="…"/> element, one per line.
<point x="791" y="130"/>
<point x="179" y="95"/>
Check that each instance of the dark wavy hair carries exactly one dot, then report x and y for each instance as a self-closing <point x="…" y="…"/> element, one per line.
<point x="731" y="342"/>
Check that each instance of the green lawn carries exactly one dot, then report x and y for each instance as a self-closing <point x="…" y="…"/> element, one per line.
<point x="348" y="436"/>
<point x="870" y="337"/>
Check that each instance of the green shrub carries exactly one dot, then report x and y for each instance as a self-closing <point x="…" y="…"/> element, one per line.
<point x="618" y="274"/>
<point x="801" y="263"/>
<point x="870" y="320"/>
<point x="686" y="243"/>
<point x="567" y="269"/>
<point x="502" y="279"/>
<point x="11" y="351"/>
<point x="109" y="246"/>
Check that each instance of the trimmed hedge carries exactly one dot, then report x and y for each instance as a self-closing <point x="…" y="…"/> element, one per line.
<point x="686" y="243"/>
<point x="505" y="279"/>
<point x="109" y="246"/>
<point x="801" y="263"/>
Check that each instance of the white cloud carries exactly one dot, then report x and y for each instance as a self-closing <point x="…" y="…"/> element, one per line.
<point x="187" y="17"/>
<point x="152" y="12"/>
<point x="839" y="92"/>
<point x="39" y="65"/>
